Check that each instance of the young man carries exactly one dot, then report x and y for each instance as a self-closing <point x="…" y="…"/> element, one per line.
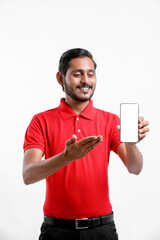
<point x="76" y="139"/>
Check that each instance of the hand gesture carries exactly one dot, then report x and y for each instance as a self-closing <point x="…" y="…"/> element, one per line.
<point x="77" y="149"/>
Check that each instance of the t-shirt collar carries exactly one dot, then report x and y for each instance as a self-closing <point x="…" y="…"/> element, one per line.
<point x="66" y="111"/>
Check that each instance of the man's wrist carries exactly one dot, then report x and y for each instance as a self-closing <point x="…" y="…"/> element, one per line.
<point x="130" y="144"/>
<point x="65" y="157"/>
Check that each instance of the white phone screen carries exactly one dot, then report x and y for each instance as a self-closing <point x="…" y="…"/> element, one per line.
<point x="129" y="114"/>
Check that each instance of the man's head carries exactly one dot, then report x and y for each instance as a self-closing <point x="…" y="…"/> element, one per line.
<point x="77" y="74"/>
<point x="64" y="62"/>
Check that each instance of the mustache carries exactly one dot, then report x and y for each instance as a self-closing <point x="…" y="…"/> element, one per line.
<point x="84" y="86"/>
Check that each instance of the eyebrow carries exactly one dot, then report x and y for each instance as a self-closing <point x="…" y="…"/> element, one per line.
<point x="81" y="70"/>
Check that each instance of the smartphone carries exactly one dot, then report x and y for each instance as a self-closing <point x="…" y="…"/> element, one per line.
<point x="129" y="115"/>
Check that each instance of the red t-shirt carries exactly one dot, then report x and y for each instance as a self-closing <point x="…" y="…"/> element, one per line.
<point x="80" y="189"/>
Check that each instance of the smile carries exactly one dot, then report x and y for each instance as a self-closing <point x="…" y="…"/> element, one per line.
<point x="84" y="88"/>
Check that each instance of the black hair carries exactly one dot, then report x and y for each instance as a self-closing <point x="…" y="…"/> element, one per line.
<point x="64" y="62"/>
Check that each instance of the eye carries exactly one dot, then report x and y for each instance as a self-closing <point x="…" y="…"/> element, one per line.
<point x="77" y="74"/>
<point x="91" y="74"/>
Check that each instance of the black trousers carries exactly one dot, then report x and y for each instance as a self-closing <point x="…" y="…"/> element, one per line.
<point x="104" y="232"/>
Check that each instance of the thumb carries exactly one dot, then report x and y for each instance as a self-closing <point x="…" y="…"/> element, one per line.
<point x="72" y="140"/>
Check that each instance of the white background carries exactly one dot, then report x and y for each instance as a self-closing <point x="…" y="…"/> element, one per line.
<point x="124" y="38"/>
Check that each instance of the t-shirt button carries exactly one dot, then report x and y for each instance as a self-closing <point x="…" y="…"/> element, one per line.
<point x="77" y="118"/>
<point x="79" y="130"/>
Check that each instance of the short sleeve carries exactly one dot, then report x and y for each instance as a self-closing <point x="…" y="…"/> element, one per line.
<point x="115" y="136"/>
<point x="34" y="137"/>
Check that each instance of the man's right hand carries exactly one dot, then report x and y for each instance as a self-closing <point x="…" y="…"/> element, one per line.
<point x="77" y="149"/>
<point x="35" y="170"/>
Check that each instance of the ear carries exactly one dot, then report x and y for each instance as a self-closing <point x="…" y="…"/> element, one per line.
<point x="60" y="78"/>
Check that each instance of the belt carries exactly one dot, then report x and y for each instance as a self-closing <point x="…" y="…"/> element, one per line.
<point x="81" y="223"/>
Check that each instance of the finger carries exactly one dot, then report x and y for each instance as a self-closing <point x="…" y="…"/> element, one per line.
<point x="143" y="130"/>
<point x="93" y="143"/>
<point x="72" y="140"/>
<point x="87" y="140"/>
<point x="141" y="119"/>
<point x="97" y="140"/>
<point x="91" y="146"/>
<point x="88" y="148"/>
<point x="141" y="136"/>
<point x="85" y="145"/>
<point x="100" y="137"/>
<point x="143" y="124"/>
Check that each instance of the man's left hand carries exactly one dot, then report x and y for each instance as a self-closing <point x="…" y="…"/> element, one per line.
<point x="142" y="128"/>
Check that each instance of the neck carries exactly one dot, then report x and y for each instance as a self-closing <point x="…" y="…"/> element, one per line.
<point x="76" y="106"/>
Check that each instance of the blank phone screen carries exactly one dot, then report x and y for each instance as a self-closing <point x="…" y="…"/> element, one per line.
<point x="129" y="114"/>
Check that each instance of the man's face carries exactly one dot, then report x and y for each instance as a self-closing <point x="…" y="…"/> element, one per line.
<point x="80" y="79"/>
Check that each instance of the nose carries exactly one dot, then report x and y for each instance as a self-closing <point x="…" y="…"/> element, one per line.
<point x="85" y="78"/>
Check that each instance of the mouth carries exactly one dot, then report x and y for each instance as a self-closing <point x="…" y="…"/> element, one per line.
<point x="84" y="88"/>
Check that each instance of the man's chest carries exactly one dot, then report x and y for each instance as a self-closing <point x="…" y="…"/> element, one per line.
<point x="58" y="131"/>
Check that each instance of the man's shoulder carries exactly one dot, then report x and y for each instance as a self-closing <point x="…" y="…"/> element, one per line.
<point x="47" y="113"/>
<point x="105" y="113"/>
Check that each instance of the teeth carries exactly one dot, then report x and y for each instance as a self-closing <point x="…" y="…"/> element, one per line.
<point x="84" y="88"/>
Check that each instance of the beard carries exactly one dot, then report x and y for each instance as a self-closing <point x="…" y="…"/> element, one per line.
<point x="74" y="95"/>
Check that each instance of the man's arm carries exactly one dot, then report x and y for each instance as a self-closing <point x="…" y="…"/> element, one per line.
<point x="34" y="169"/>
<point x="129" y="152"/>
<point x="131" y="157"/>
